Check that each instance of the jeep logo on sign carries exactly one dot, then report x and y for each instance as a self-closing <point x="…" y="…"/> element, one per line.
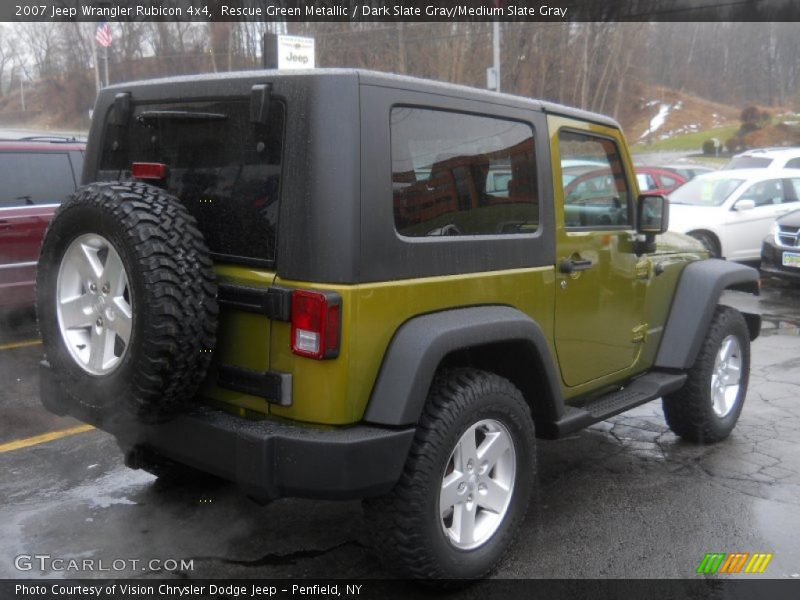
<point x="296" y="58"/>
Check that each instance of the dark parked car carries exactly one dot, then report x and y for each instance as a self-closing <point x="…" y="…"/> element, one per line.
<point x="780" y="254"/>
<point x="36" y="175"/>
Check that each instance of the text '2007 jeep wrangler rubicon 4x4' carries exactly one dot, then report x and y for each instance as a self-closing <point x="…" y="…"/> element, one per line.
<point x="344" y="284"/>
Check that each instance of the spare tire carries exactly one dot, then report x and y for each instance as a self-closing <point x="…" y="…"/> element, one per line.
<point x="126" y="300"/>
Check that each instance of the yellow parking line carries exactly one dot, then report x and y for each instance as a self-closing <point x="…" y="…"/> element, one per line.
<point x="20" y="345"/>
<point x="45" y="437"/>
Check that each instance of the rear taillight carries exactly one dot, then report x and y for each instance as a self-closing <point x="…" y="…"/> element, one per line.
<point x="316" y="324"/>
<point x="143" y="170"/>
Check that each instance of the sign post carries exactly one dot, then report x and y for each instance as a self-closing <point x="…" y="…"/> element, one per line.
<point x="288" y="52"/>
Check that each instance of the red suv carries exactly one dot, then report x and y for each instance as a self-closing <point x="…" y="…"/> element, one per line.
<point x="37" y="173"/>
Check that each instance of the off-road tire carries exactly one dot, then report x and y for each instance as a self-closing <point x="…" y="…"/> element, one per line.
<point x="689" y="412"/>
<point x="405" y="525"/>
<point x="173" y="294"/>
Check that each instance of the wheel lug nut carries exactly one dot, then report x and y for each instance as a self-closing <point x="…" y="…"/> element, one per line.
<point x="469" y="466"/>
<point x="482" y="487"/>
<point x="469" y="498"/>
<point x="462" y="486"/>
<point x="93" y="288"/>
<point x="106" y="288"/>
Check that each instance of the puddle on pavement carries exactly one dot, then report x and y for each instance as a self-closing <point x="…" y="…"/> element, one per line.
<point x="776" y="325"/>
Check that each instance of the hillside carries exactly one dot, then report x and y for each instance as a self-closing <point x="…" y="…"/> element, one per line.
<point x="663" y="113"/>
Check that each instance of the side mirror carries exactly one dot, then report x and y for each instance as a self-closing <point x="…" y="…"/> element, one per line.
<point x="652" y="218"/>
<point x="744" y="204"/>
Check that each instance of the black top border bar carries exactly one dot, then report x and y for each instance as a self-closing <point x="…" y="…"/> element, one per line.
<point x="399" y="10"/>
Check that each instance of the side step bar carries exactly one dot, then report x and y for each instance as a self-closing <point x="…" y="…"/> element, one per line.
<point x="644" y="389"/>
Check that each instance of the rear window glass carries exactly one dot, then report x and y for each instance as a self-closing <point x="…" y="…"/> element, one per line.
<point x="30" y="178"/>
<point x="668" y="181"/>
<point x="225" y="169"/>
<point x="748" y="162"/>
<point x="458" y="174"/>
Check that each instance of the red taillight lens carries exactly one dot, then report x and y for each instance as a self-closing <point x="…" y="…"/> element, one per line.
<point x="316" y="319"/>
<point x="142" y="170"/>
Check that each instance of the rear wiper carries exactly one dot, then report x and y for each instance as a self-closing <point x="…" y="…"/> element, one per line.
<point x="178" y="115"/>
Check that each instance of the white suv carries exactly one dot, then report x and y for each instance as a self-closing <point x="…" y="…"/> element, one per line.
<point x="766" y="158"/>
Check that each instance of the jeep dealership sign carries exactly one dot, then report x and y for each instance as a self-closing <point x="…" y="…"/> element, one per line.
<point x="288" y="52"/>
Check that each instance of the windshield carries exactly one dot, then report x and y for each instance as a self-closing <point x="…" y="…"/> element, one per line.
<point x="748" y="162"/>
<point x="703" y="191"/>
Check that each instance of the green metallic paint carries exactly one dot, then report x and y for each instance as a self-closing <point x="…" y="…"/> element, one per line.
<point x="337" y="391"/>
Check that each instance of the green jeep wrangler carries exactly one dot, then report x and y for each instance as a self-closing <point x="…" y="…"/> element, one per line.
<point x="343" y="284"/>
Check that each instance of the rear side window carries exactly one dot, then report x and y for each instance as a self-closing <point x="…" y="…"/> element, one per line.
<point x="748" y="162"/>
<point x="30" y="178"/>
<point x="793" y="164"/>
<point x="225" y="169"/>
<point x="457" y="174"/>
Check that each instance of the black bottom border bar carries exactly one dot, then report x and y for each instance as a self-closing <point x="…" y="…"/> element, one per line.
<point x="505" y="589"/>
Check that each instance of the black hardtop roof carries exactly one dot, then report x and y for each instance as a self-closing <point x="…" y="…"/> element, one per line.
<point x="376" y="78"/>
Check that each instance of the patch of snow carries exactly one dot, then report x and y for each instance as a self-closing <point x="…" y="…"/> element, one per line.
<point x="657" y="121"/>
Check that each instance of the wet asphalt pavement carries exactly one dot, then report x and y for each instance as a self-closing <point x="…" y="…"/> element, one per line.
<point x="625" y="498"/>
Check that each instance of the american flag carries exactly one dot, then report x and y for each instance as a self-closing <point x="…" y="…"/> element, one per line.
<point x="103" y="35"/>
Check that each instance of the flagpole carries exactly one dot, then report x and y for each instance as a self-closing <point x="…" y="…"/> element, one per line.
<point x="97" y="83"/>
<point x="105" y="64"/>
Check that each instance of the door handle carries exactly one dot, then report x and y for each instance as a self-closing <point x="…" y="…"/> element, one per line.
<point x="5" y="225"/>
<point x="571" y="265"/>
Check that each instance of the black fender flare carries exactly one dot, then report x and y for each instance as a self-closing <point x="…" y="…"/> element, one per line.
<point x="420" y="344"/>
<point x="696" y="297"/>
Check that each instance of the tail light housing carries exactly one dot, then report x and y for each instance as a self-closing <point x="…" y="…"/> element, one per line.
<point x="316" y="323"/>
<point x="149" y="171"/>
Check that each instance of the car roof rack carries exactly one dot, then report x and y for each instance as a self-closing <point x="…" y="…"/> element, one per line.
<point x="55" y="139"/>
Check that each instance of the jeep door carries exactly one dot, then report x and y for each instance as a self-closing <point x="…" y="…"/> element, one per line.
<point x="600" y="293"/>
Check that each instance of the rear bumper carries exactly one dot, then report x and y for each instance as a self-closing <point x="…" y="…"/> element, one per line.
<point x="267" y="459"/>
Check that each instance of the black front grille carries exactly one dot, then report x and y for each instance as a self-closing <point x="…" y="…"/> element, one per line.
<point x="789" y="236"/>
